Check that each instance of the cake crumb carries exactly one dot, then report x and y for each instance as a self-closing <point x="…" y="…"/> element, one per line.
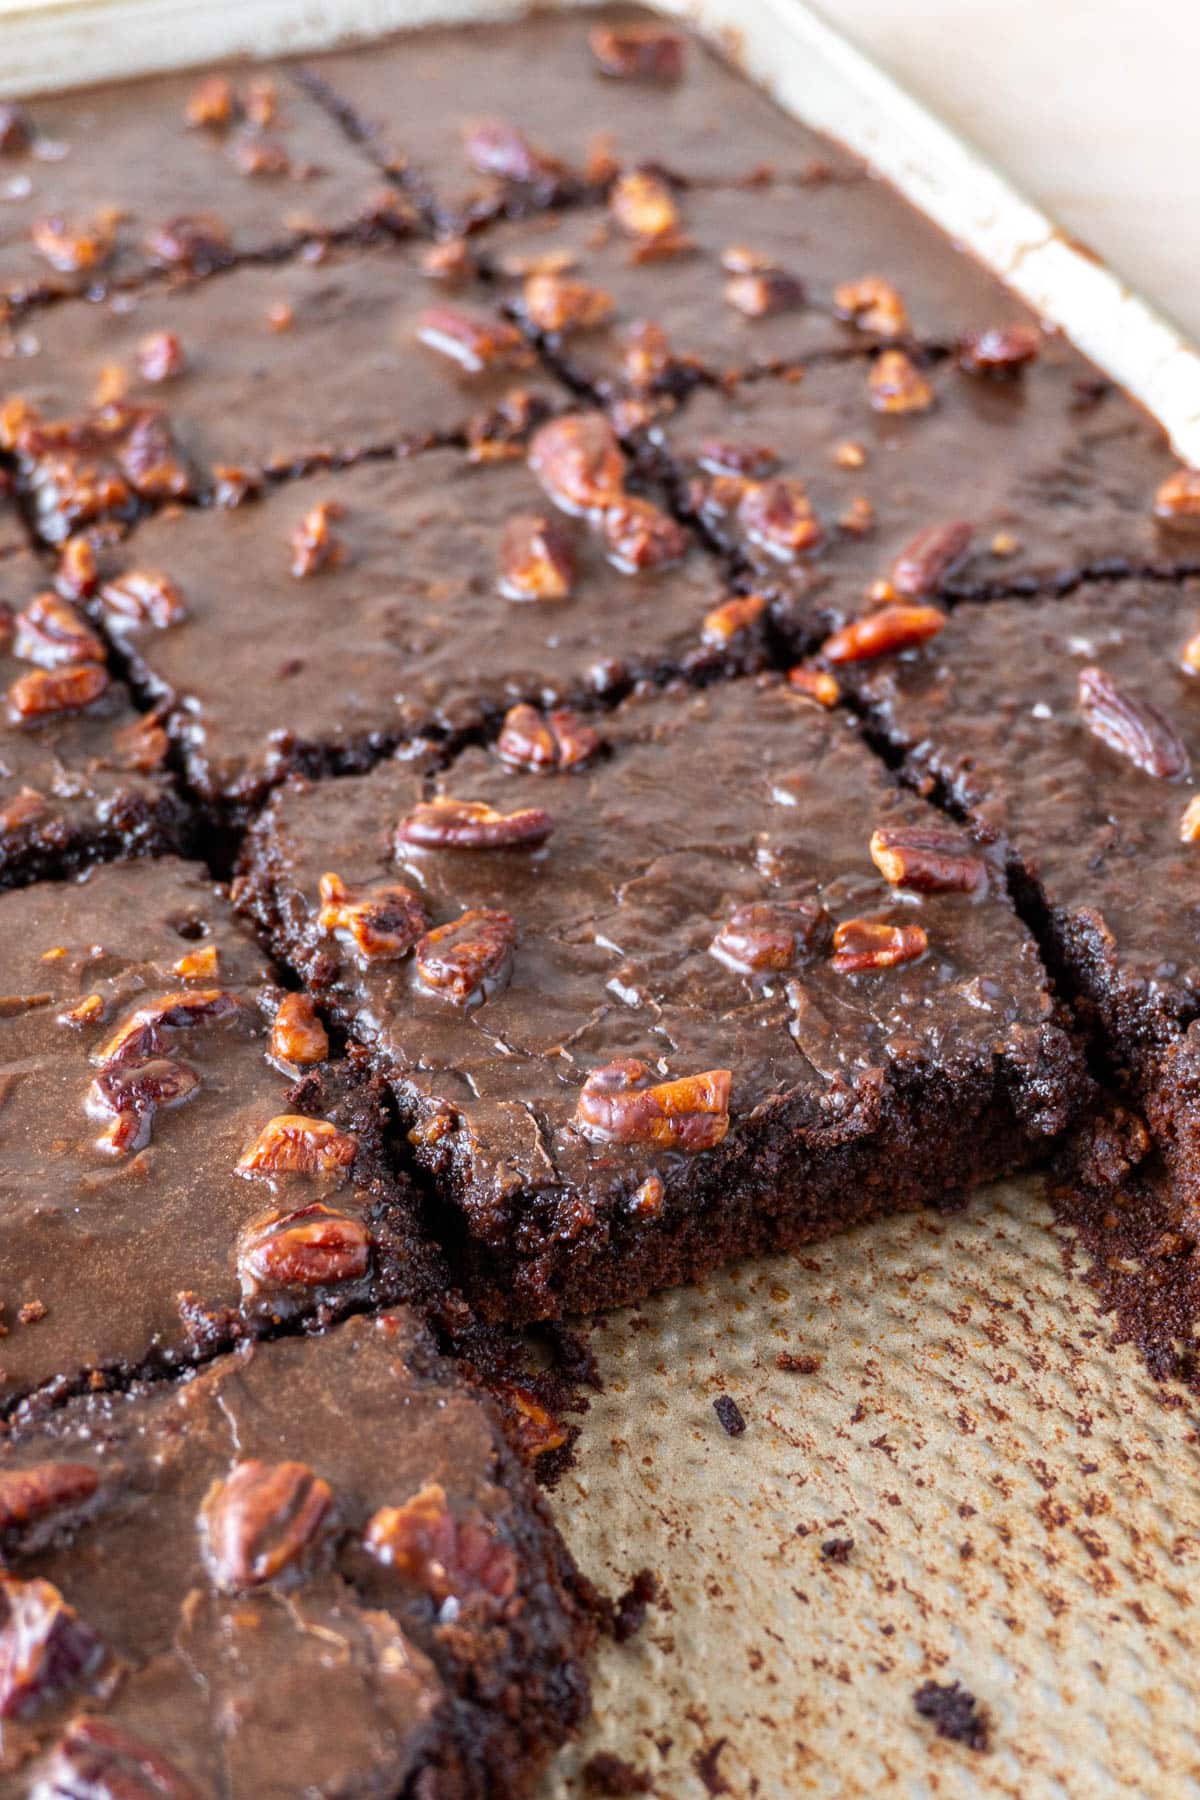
<point x="730" y="1414"/>
<point x="954" y="1712"/>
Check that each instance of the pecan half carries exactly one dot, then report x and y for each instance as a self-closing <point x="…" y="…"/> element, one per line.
<point x="732" y="619"/>
<point x="291" y="1144"/>
<point x="211" y="103"/>
<point x="642" y="204"/>
<point x="193" y="241"/>
<point x="770" y="934"/>
<point x="495" y="147"/>
<point x="618" y="1105"/>
<point x="557" y="304"/>
<point x="1000" y="350"/>
<point x="425" y="1544"/>
<point x="778" y="514"/>
<point x="47" y="693"/>
<point x="929" y="558"/>
<point x="70" y="245"/>
<point x="448" y="824"/>
<point x="45" y="1647"/>
<point x="537" y="559"/>
<point x="470" y="958"/>
<point x="312" y="1246"/>
<point x="1131" y="726"/>
<point x="146" y="1032"/>
<point x="383" y="922"/>
<point x="872" y="304"/>
<point x="475" y="341"/>
<point x="764" y="293"/>
<point x="641" y="537"/>
<point x="533" y="740"/>
<point x="638" y="52"/>
<point x="314" y="543"/>
<point x="142" y="597"/>
<point x="51" y="633"/>
<point x="645" y="354"/>
<point x="97" y="1760"/>
<point x="1178" y="499"/>
<point x="128" y="1096"/>
<point x="160" y="357"/>
<point x="928" y="859"/>
<point x="30" y="1495"/>
<point x="578" y="461"/>
<point x="863" y="944"/>
<point x="260" y="1519"/>
<point x="298" y="1037"/>
<point x="883" y="633"/>
<point x="897" y="385"/>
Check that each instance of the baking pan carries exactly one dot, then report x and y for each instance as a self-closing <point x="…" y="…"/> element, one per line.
<point x="957" y="1477"/>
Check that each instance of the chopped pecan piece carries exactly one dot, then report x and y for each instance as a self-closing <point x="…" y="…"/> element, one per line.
<point x="536" y="558"/>
<point x="425" y="1544"/>
<point x="29" y="1495"/>
<point x="850" y="455"/>
<point x="537" y="1429"/>
<point x="383" y="922"/>
<point x="15" y="134"/>
<point x="199" y="965"/>
<point x="260" y="1519"/>
<point x="260" y="101"/>
<point x="23" y="810"/>
<point x="45" y="1647"/>
<point x="88" y="1011"/>
<point x="645" y="354"/>
<point x="815" y="684"/>
<point x="448" y="824"/>
<point x="928" y="859"/>
<point x="142" y="597"/>
<point x="145" y="453"/>
<point x="500" y="433"/>
<point x="765" y="292"/>
<point x="641" y="536"/>
<point x="557" y="304"/>
<point x="873" y="305"/>
<point x="210" y="104"/>
<point x="1131" y="726"/>
<point x="193" y="241"/>
<point x="1001" y="350"/>
<point x="451" y="261"/>
<point x="732" y="619"/>
<point x="494" y="147"/>
<point x="475" y="341"/>
<point x="70" y="246"/>
<point x="51" y="633"/>
<point x="468" y="959"/>
<point x="160" y="357"/>
<point x="142" y="745"/>
<point x="531" y="740"/>
<point x="897" y="385"/>
<point x="315" y="544"/>
<point x="883" y="633"/>
<point x="298" y="1037"/>
<point x="753" y="461"/>
<point x="642" y="205"/>
<point x="770" y="934"/>
<point x="925" y="562"/>
<point x="97" y="1760"/>
<point x="261" y="156"/>
<point x="618" y="1105"/>
<point x="312" y="1246"/>
<point x="47" y="693"/>
<point x="78" y="571"/>
<point x="778" y="514"/>
<point x="290" y="1144"/>
<point x="1178" y="498"/>
<point x="638" y="52"/>
<point x="1189" y="824"/>
<point x="579" y="462"/>
<point x="857" y="516"/>
<point x="864" y="944"/>
<point x="145" y="1032"/>
<point x="281" y="315"/>
<point x="128" y="1096"/>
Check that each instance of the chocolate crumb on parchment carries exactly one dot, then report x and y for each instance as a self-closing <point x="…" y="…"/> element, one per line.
<point x="791" y="1363"/>
<point x="730" y="1414"/>
<point x="607" y="1774"/>
<point x="706" y="1763"/>
<point x="954" y="1712"/>
<point x="629" y="1608"/>
<point x="837" y="1550"/>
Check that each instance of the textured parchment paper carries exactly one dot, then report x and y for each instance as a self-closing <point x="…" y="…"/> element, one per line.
<point x="1024" y="1506"/>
